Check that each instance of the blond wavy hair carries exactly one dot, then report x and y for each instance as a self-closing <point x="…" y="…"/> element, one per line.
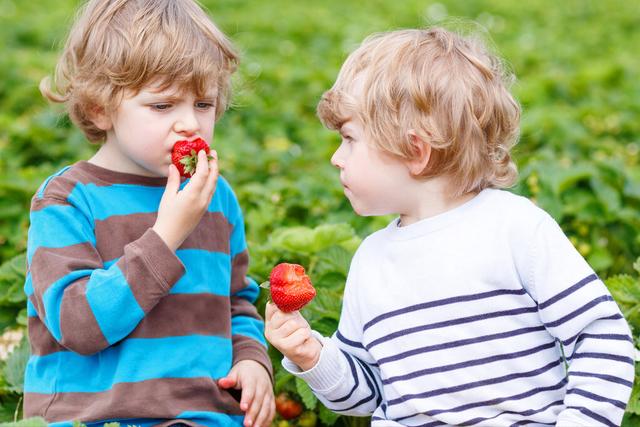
<point x="447" y="88"/>
<point x="118" y="46"/>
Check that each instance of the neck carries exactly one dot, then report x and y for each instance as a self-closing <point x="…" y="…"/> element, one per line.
<point x="431" y="198"/>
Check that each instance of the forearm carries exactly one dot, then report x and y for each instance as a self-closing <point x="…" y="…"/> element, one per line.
<point x="342" y="382"/>
<point x="88" y="307"/>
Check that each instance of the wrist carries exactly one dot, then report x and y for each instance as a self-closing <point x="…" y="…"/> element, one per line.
<point x="312" y="357"/>
<point x="166" y="237"/>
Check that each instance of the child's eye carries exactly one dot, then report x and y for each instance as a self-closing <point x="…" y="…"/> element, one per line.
<point x="160" y="107"/>
<point x="204" y="105"/>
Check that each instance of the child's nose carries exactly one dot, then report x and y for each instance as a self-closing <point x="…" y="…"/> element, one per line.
<point x="186" y="123"/>
<point x="336" y="159"/>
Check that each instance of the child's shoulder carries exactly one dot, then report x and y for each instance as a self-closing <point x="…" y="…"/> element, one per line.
<point x="60" y="184"/>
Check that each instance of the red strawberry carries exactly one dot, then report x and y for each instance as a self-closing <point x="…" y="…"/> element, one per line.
<point x="184" y="155"/>
<point x="291" y="288"/>
<point x="287" y="407"/>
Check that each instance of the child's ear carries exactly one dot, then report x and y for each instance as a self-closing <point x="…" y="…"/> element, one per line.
<point x="100" y="118"/>
<point x="422" y="149"/>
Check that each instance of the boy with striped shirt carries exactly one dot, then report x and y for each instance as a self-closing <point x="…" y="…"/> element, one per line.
<point x="139" y="307"/>
<point x="472" y="307"/>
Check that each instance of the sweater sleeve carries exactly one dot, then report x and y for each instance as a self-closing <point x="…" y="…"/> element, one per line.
<point x="346" y="379"/>
<point x="247" y="326"/>
<point x="85" y="304"/>
<point x="578" y="310"/>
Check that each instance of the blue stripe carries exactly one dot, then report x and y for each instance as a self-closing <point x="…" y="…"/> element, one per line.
<point x="567" y="291"/>
<point x="366" y="367"/>
<point x="348" y="341"/>
<point x="113" y="304"/>
<point x="369" y="385"/>
<point x="28" y="285"/>
<point x="581" y="337"/>
<point x="57" y="227"/>
<point x="445" y="301"/>
<point x="526" y="413"/>
<point x="605" y="356"/>
<point x="468" y="363"/>
<point x="462" y="387"/>
<point x="579" y="311"/>
<point x="133" y="360"/>
<point x="604" y="377"/>
<point x="199" y="264"/>
<point x="459" y="343"/>
<point x="459" y="321"/>
<point x="31" y="309"/>
<point x="354" y="375"/>
<point x="249" y="327"/>
<point x="212" y="419"/>
<point x="52" y="299"/>
<point x="132" y="199"/>
<point x="492" y="402"/>
<point x="597" y="398"/>
<point x="593" y="415"/>
<point x="250" y="292"/>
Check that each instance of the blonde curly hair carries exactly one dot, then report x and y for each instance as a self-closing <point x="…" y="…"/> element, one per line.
<point x="447" y="88"/>
<point x="118" y="46"/>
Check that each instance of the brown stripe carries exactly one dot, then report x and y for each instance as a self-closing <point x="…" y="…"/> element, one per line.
<point x="115" y="232"/>
<point x="51" y="264"/>
<point x="160" y="398"/>
<point x="239" y="266"/>
<point x="245" y="348"/>
<point x="78" y="326"/>
<point x="213" y="234"/>
<point x="186" y="314"/>
<point x="86" y="172"/>
<point x="242" y="307"/>
<point x="55" y="193"/>
<point x="41" y="340"/>
<point x="150" y="268"/>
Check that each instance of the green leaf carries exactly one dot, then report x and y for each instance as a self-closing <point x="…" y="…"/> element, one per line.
<point x="304" y="391"/>
<point x="327" y="416"/>
<point x="15" y="365"/>
<point x="29" y="422"/>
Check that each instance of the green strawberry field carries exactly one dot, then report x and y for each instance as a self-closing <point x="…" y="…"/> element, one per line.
<point x="578" y="69"/>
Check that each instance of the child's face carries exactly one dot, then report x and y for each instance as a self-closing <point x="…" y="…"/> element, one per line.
<point x="373" y="181"/>
<point x="144" y="128"/>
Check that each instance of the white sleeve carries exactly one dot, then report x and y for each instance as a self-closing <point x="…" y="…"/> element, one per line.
<point x="578" y="310"/>
<point x="346" y="378"/>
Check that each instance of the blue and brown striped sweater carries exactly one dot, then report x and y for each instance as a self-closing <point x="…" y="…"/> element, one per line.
<point x="123" y="329"/>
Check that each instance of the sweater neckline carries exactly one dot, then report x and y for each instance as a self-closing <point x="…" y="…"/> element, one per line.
<point x="114" y="177"/>
<point x="429" y="225"/>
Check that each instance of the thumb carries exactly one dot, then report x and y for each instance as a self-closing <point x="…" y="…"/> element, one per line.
<point x="173" y="180"/>
<point x="229" y="381"/>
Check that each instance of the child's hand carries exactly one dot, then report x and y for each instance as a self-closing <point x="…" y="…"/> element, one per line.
<point x="257" y="399"/>
<point x="180" y="211"/>
<point x="291" y="334"/>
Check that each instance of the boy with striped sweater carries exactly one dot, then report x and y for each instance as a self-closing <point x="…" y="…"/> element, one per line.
<point x="139" y="307"/>
<point x="472" y="307"/>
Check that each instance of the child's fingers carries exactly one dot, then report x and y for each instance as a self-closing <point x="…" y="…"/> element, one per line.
<point x="200" y="176"/>
<point x="266" y="410"/>
<point x="246" y="403"/>
<point x="173" y="180"/>
<point x="269" y="311"/>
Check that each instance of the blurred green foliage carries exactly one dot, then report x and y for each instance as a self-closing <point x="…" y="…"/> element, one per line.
<point x="577" y="65"/>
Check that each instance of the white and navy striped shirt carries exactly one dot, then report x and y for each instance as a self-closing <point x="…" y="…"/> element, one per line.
<point x="463" y="319"/>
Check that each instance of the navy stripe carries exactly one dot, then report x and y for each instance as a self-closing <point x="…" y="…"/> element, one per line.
<point x="604" y="377"/>
<point x="605" y="356"/>
<point x="579" y="311"/>
<point x="567" y="291"/>
<point x="525" y="422"/>
<point x="366" y="367"/>
<point x="593" y="415"/>
<point x="597" y="397"/>
<point x="366" y="399"/>
<point x="475" y="384"/>
<point x="581" y="337"/>
<point x="354" y="374"/>
<point x="460" y="343"/>
<point x="526" y="413"/>
<point x="475" y="362"/>
<point x="495" y="401"/>
<point x="445" y="301"/>
<point x="462" y="320"/>
<point x="348" y="342"/>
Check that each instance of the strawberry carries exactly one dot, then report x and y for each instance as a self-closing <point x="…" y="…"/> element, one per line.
<point x="184" y="155"/>
<point x="287" y="407"/>
<point x="291" y="288"/>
